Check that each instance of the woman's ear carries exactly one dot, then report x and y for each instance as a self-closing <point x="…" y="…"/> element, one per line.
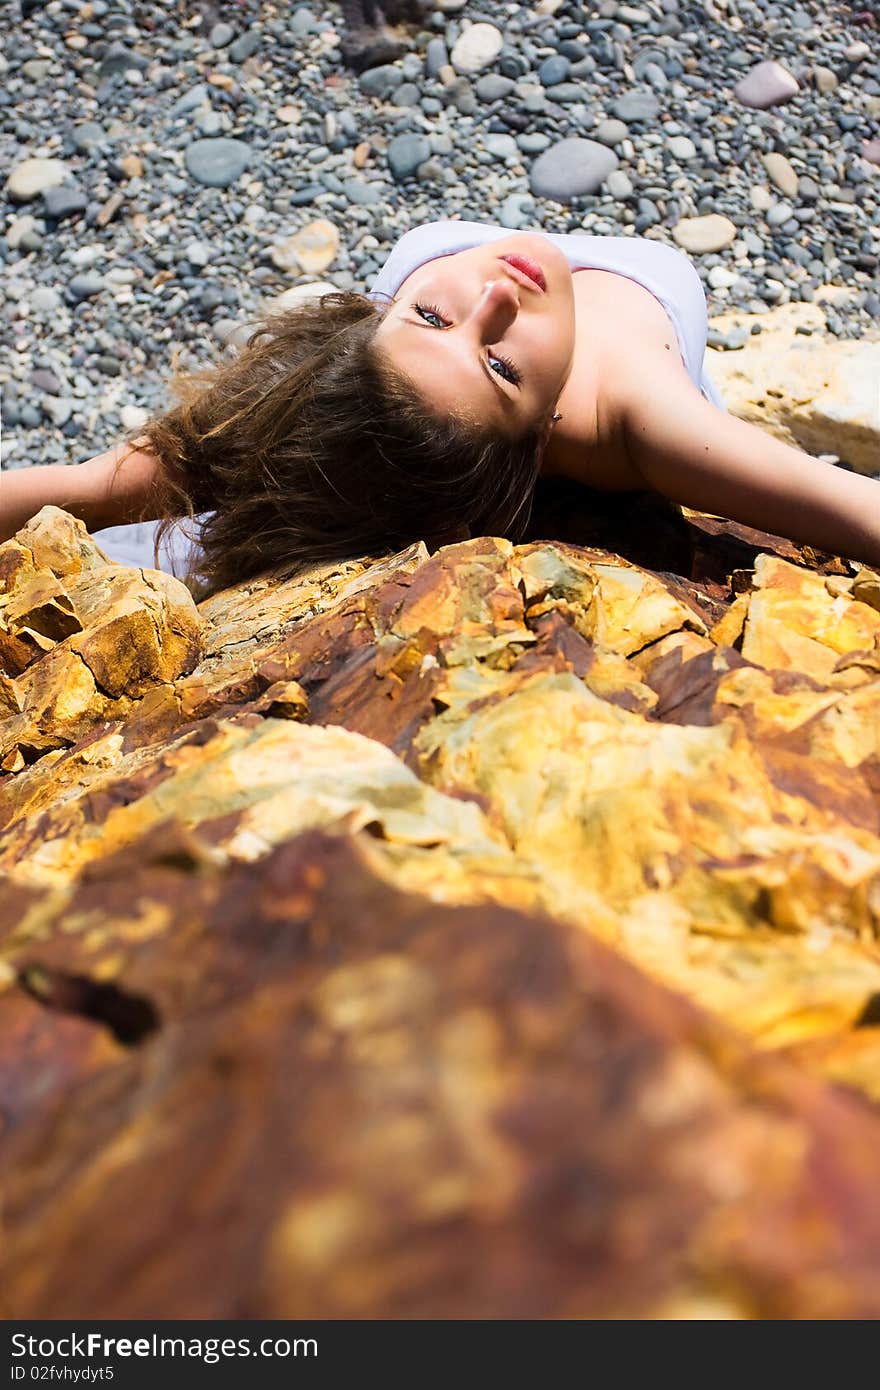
<point x="550" y="424"/>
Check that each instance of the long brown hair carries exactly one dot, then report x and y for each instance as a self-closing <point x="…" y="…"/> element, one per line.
<point x="307" y="448"/>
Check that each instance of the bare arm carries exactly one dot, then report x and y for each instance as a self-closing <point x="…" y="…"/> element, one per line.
<point x="96" y="491"/>
<point x="695" y="454"/>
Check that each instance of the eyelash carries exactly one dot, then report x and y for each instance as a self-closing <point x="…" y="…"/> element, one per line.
<point x="514" y="377"/>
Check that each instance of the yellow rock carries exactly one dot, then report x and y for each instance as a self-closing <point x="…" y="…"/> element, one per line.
<point x="817" y="392"/>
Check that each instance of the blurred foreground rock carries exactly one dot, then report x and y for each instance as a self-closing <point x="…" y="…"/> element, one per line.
<point x="316" y="900"/>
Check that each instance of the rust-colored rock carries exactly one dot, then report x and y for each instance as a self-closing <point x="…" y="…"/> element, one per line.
<point x="310" y="1095"/>
<point x="81" y="639"/>
<point x="313" y="898"/>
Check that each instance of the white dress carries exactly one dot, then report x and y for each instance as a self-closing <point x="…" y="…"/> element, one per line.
<point x="665" y="272"/>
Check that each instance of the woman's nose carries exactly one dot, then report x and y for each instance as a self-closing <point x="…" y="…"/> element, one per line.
<point x="497" y="306"/>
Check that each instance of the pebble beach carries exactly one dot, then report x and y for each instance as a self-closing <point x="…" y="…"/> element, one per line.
<point x="166" y="179"/>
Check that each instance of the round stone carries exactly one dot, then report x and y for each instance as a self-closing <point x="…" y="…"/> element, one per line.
<point x="533" y="141"/>
<point x="721" y="278"/>
<point x="619" y="184"/>
<point x="824" y="78"/>
<point x="760" y="197"/>
<point x="767" y="84"/>
<point x="299" y="294"/>
<point x="554" y="70"/>
<point x="45" y="299"/>
<point x="781" y="173"/>
<point x="494" y="87"/>
<point x="380" y="82"/>
<point x="86" y="286"/>
<point x="516" y="210"/>
<point x="700" y="235"/>
<point x="66" y="201"/>
<point x="571" y="168"/>
<point x="682" y="148"/>
<point x="502" y="146"/>
<point x="312" y="249"/>
<point x="18" y="229"/>
<point x="217" y="163"/>
<point x="779" y="214"/>
<point x="131" y="417"/>
<point x="245" y="46"/>
<point x="476" y="48"/>
<point x="436" y="57"/>
<point x="33" y="176"/>
<point x="636" y="106"/>
<point x="610" y="132"/>
<point x="197" y="253"/>
<point x="87" y="134"/>
<point x="58" y="408"/>
<point x="405" y="154"/>
<point x="221" y="35"/>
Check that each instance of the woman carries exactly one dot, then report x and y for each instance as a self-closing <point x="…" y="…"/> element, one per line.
<point x="427" y="409"/>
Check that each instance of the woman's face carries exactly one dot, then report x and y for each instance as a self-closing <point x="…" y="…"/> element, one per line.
<point x="480" y="339"/>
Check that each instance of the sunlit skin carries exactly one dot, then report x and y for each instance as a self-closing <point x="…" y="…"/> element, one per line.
<point x="489" y="345"/>
<point x="487" y="328"/>
<point x="602" y="352"/>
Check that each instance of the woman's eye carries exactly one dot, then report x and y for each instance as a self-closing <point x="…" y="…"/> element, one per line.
<point x="508" y="370"/>
<point x="429" y="311"/>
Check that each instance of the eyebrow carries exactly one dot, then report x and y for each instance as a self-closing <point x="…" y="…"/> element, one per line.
<point x="505" y="396"/>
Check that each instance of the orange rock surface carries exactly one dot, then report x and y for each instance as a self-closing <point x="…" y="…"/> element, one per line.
<point x="491" y="933"/>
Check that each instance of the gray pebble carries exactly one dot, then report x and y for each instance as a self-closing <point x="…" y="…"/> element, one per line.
<point x="363" y="194"/>
<point x="405" y="154"/>
<point x="87" y="134"/>
<point x="66" y="201"/>
<point x="493" y="87"/>
<point x="610" y="132"/>
<point x="191" y="99"/>
<point x="119" y="59"/>
<point x="86" y="285"/>
<point x="636" y="106"/>
<point x="516" y="211"/>
<point x="502" y="146"/>
<point x="217" y="163"/>
<point x="58" y="408"/>
<point x="436" y="57"/>
<point x="553" y="71"/>
<point x="571" y="168"/>
<point x="221" y="35"/>
<point x="380" y="82"/>
<point x="778" y="214"/>
<point x="682" y="148"/>
<point x="407" y="94"/>
<point x="532" y="141"/>
<point x="244" y="46"/>
<point x="618" y="184"/>
<point x="44" y="299"/>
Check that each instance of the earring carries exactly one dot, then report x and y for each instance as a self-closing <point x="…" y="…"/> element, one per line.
<point x="556" y="415"/>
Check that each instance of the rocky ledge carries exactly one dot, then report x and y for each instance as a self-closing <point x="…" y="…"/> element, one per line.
<point x="490" y="933"/>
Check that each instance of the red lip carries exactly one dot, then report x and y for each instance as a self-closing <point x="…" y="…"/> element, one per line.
<point x="530" y="269"/>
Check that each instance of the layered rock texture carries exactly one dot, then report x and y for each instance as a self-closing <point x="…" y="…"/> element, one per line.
<point x="796" y="381"/>
<point x="484" y="934"/>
